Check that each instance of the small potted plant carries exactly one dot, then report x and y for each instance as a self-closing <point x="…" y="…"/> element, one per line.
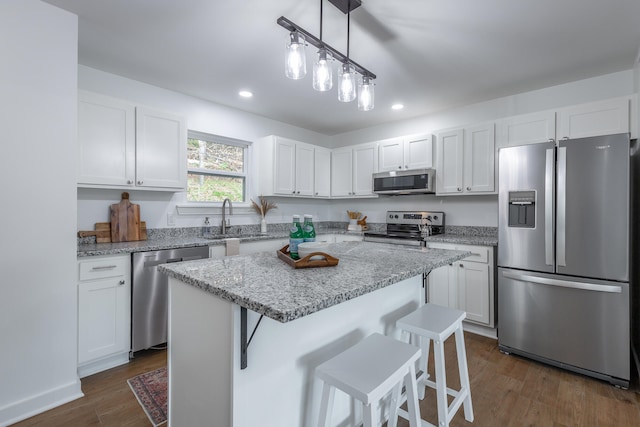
<point x="262" y="208"/>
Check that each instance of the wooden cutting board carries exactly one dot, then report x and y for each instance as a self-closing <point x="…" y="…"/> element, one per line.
<point x="103" y="232"/>
<point x="125" y="221"/>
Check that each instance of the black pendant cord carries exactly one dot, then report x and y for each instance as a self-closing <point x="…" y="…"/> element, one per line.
<point x="320" y="21"/>
<point x="348" y="27"/>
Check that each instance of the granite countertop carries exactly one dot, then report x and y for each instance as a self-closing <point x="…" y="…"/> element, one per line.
<point x="267" y="285"/>
<point x="174" y="242"/>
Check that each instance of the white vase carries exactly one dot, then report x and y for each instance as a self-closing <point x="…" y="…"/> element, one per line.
<point x="263" y="225"/>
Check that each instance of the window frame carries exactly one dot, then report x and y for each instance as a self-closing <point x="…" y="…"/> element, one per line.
<point x="225" y="140"/>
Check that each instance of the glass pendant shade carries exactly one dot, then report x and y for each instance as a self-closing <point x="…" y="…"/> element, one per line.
<point x="365" y="94"/>
<point x="347" y="88"/>
<point x="322" y="73"/>
<point x="295" y="58"/>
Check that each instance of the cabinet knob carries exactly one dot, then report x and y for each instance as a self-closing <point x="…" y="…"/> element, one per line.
<point x="130" y="182"/>
<point x="461" y="265"/>
<point x="121" y="282"/>
<point x="140" y="182"/>
<point x="298" y="192"/>
<point x="293" y="192"/>
<point x="459" y="188"/>
<point x="468" y="188"/>
<point x="399" y="167"/>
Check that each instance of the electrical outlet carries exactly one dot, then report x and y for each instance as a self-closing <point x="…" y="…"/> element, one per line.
<point x="171" y="219"/>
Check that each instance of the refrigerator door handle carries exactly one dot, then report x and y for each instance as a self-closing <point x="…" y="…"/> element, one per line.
<point x="562" y="283"/>
<point x="548" y="208"/>
<point x="561" y="215"/>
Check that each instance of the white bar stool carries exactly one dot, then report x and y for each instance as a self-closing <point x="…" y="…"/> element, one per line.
<point x="367" y="372"/>
<point x="437" y="323"/>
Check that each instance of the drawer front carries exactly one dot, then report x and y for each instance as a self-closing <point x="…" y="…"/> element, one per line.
<point x="478" y="253"/>
<point x="103" y="267"/>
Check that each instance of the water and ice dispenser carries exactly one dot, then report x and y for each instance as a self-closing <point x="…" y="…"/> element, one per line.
<point x="522" y="209"/>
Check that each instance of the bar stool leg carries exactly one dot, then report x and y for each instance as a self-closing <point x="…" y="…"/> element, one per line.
<point x="395" y="403"/>
<point x="369" y="414"/>
<point x="425" y="343"/>
<point x="441" y="383"/>
<point x="326" y="405"/>
<point x="412" y="406"/>
<point x="464" y="373"/>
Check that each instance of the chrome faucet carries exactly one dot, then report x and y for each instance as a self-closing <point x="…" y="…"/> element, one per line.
<point x="225" y="221"/>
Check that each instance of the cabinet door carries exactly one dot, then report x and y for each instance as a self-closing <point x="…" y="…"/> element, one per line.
<point x="391" y="155"/>
<point x="322" y="172"/>
<point x="479" y="159"/>
<point x="442" y="288"/>
<point x="304" y="170"/>
<point x="341" y="172"/>
<point x="473" y="285"/>
<point x="106" y="141"/>
<point x="450" y="146"/>
<point x="284" y="167"/>
<point x="526" y="129"/>
<point x="418" y="152"/>
<point x="103" y="317"/>
<point x="594" y="119"/>
<point x="161" y="150"/>
<point x="365" y="161"/>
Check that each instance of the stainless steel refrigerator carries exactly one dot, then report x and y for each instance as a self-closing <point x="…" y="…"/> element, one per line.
<point x="563" y="254"/>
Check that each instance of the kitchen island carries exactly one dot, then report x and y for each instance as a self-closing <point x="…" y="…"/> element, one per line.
<point x="303" y="317"/>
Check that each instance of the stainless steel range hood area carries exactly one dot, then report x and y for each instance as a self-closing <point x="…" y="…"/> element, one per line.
<point x="405" y="182"/>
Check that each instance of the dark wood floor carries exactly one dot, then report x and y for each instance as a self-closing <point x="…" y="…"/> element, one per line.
<point x="506" y="391"/>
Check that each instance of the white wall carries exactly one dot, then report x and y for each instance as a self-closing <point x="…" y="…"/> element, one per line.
<point x="38" y="305"/>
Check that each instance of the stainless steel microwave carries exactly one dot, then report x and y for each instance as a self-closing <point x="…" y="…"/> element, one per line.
<point x="417" y="181"/>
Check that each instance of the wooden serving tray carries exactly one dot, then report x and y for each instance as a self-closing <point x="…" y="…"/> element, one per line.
<point x="307" y="262"/>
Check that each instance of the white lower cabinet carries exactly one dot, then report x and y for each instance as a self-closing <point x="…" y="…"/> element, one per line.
<point x="104" y="313"/>
<point x="467" y="284"/>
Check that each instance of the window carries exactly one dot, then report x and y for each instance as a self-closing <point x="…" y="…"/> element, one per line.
<point x="216" y="168"/>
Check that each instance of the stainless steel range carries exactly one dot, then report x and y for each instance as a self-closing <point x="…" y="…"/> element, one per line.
<point x="409" y="227"/>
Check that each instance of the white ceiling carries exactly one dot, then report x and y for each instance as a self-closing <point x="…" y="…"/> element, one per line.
<point x="429" y="55"/>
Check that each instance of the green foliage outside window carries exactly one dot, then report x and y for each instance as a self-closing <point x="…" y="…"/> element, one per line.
<point x="216" y="171"/>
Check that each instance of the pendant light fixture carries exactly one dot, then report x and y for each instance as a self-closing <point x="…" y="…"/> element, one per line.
<point x="322" y="71"/>
<point x="295" y="66"/>
<point x="365" y="94"/>
<point x="295" y="63"/>
<point x="347" y="89"/>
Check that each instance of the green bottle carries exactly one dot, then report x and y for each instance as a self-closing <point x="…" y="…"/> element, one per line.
<point x="295" y="237"/>
<point x="308" y="231"/>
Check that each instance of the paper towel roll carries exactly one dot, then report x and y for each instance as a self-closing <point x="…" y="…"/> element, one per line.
<point x="233" y="246"/>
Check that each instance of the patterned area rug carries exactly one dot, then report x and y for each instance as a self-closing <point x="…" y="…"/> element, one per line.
<point x="151" y="391"/>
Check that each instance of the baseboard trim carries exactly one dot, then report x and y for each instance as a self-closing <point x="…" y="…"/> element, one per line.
<point x="485" y="331"/>
<point x="40" y="403"/>
<point x="102" y="364"/>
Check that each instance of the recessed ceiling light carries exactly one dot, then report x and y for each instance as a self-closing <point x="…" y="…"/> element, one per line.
<point x="245" y="94"/>
<point x="397" y="106"/>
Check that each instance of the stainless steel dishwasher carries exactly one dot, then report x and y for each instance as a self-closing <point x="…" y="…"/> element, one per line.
<point x="150" y="292"/>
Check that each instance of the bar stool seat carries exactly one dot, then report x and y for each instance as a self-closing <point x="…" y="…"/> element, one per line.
<point x="367" y="372"/>
<point x="436" y="323"/>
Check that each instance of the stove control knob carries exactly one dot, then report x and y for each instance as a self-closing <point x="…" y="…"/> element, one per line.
<point x="395" y="216"/>
<point x="435" y="217"/>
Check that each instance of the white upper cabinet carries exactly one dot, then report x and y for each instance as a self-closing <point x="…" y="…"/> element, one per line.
<point x="106" y="141"/>
<point x="466" y="160"/>
<point x="322" y="172"/>
<point x="450" y="159"/>
<point x="286" y="167"/>
<point x="526" y="129"/>
<point x="161" y="149"/>
<point x="124" y="146"/>
<point x="594" y="119"/>
<point x="352" y="170"/>
<point x="414" y="152"/>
